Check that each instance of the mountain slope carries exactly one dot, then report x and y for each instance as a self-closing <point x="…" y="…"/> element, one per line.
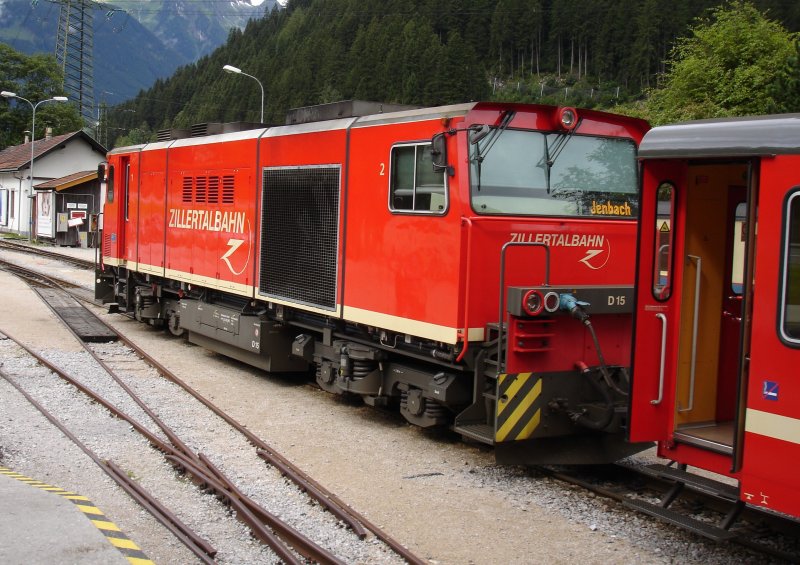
<point x="129" y="55"/>
<point x="193" y="29"/>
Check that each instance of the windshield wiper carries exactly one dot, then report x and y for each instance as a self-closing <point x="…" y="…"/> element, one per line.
<point x="558" y="147"/>
<point x="491" y="138"/>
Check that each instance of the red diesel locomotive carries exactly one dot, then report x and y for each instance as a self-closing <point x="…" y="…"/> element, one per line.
<point x="471" y="264"/>
<point x="717" y="342"/>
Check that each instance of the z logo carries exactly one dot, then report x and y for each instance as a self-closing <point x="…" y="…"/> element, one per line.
<point x="589" y="254"/>
<point x="234" y="244"/>
<point x="594" y="258"/>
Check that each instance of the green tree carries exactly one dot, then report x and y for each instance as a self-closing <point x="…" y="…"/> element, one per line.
<point x="35" y="77"/>
<point x="735" y="62"/>
<point x="142" y="134"/>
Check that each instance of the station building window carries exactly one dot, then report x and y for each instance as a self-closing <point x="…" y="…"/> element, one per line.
<point x="790" y="293"/>
<point x="414" y="185"/>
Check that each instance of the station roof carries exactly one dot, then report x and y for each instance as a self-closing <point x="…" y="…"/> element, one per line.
<point x="67" y="182"/>
<point x="724" y="137"/>
<point x="18" y="157"/>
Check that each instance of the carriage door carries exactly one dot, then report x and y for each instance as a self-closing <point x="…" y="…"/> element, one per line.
<point x="652" y="397"/>
<point x="710" y="326"/>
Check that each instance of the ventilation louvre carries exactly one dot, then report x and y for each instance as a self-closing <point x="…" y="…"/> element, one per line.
<point x="205" y="190"/>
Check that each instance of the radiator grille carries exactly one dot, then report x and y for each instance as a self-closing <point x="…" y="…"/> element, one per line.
<point x="299" y="234"/>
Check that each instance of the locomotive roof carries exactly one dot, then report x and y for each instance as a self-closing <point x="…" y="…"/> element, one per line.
<point x="725" y="137"/>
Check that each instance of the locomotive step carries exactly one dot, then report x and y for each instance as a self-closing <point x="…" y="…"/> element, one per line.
<point x="696" y="482"/>
<point x="479" y="432"/>
<point x="684" y="522"/>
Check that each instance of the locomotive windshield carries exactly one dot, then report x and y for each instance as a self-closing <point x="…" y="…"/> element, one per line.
<point x="554" y="174"/>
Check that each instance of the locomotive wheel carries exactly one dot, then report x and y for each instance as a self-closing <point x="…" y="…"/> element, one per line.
<point x="173" y="324"/>
<point x="415" y="403"/>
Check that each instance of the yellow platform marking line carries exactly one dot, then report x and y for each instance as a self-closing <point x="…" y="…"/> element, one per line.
<point x="518" y="416"/>
<point x="111" y="531"/>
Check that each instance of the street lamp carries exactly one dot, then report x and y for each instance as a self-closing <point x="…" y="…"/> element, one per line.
<point x="7" y="94"/>
<point x="237" y="71"/>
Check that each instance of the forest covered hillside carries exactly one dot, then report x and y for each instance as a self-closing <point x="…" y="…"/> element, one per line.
<point x="427" y="52"/>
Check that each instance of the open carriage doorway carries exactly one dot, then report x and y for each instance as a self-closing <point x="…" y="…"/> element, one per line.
<point x="711" y="345"/>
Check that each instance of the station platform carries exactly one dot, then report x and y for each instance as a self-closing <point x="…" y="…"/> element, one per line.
<point x="42" y="524"/>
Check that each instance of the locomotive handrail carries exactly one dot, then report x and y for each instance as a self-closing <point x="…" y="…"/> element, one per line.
<point x="693" y="367"/>
<point x="501" y="317"/>
<point x="468" y="222"/>
<point x="663" y="319"/>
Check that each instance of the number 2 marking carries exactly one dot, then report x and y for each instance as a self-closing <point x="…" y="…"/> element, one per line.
<point x="383" y="168"/>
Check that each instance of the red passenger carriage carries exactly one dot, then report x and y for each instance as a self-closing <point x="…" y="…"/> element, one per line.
<point x="717" y="344"/>
<point x="471" y="264"/>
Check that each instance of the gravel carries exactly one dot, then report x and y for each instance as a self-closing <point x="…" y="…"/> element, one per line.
<point x="444" y="499"/>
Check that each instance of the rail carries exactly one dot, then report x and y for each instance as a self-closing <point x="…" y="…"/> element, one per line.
<point x="330" y="501"/>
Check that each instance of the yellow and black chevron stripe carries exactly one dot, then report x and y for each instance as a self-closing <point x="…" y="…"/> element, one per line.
<point x="113" y="534"/>
<point x="518" y="413"/>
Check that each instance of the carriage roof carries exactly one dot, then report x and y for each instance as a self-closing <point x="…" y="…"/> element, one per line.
<point x="726" y="137"/>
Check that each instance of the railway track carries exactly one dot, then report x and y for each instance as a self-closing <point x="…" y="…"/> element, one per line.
<point x="127" y="368"/>
<point x="766" y="536"/>
<point x="12" y="245"/>
<point x="696" y="504"/>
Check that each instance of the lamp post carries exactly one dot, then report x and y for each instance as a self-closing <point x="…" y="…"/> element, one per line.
<point x="7" y="94"/>
<point x="236" y="71"/>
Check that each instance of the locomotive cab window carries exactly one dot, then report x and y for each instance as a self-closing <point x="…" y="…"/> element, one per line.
<point x="110" y="184"/>
<point x="414" y="184"/>
<point x="523" y="172"/>
<point x="790" y="293"/>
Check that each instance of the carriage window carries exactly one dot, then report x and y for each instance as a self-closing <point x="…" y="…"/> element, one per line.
<point x="739" y="239"/>
<point x="415" y="186"/>
<point x="662" y="256"/>
<point x="790" y="295"/>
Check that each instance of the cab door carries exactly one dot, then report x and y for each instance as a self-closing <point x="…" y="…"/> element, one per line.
<point x="653" y="384"/>
<point x="129" y="205"/>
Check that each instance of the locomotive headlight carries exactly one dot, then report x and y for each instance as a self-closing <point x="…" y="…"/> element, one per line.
<point x="532" y="302"/>
<point x="568" y="118"/>
<point x="552" y="300"/>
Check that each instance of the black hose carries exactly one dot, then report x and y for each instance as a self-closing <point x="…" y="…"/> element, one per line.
<point x="605" y="420"/>
<point x="603" y="367"/>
